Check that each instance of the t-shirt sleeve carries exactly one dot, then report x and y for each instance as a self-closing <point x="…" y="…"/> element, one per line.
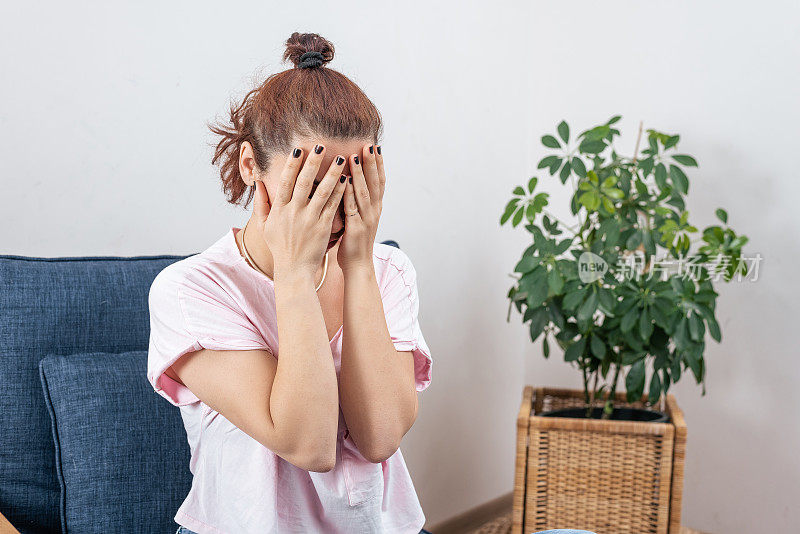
<point x="187" y="315"/>
<point x="401" y="308"/>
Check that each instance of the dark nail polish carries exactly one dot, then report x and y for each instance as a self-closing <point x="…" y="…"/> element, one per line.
<point x="297" y="152"/>
<point x="342" y="178"/>
<point x="371" y="149"/>
<point x="339" y="160"/>
<point x="318" y="149"/>
<point x="378" y="148"/>
<point x="350" y="179"/>
<point x="355" y="159"/>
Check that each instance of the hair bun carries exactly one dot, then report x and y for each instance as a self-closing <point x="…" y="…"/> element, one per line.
<point x="308" y="50"/>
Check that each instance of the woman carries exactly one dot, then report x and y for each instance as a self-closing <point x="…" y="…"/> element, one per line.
<point x="292" y="345"/>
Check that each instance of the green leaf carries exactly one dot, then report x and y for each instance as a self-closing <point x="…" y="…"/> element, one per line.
<point x="598" y="347"/>
<point x="545" y="347"/>
<point x="661" y="176"/>
<point x="645" y="325"/>
<point x="555" y="281"/>
<point x="518" y="217"/>
<point x="684" y="159"/>
<point x="519" y="191"/>
<point x="572" y="300"/>
<point x="588" y="307"/>
<point x="579" y="167"/>
<point x="672" y="141"/>
<point x="550" y="141"/>
<point x="713" y="329"/>
<point x="591" y="147"/>
<point x="575" y="350"/>
<point x="607" y="299"/>
<point x="537" y="290"/>
<point x="539" y="320"/>
<point x="655" y="388"/>
<point x="722" y="215"/>
<point x="527" y="264"/>
<point x="629" y="319"/>
<point x="509" y="211"/>
<point x="696" y="328"/>
<point x="548" y="161"/>
<point x="680" y="179"/>
<point x="532" y="184"/>
<point x="695" y="365"/>
<point x="681" y="336"/>
<point x="634" y="380"/>
<point x="590" y="200"/>
<point x="565" y="172"/>
<point x="563" y="131"/>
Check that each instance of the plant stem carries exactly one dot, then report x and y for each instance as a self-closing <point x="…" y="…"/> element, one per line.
<point x="638" y="139"/>
<point x="586" y="391"/>
<point x="608" y="409"/>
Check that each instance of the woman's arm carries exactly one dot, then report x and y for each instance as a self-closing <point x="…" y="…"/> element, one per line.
<point x="376" y="382"/>
<point x="290" y="405"/>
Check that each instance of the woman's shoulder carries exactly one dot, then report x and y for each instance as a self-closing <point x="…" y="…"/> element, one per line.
<point x="386" y="256"/>
<point x="392" y="263"/>
<point x="209" y="273"/>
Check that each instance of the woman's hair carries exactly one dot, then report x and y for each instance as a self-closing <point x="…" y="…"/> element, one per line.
<point x="307" y="100"/>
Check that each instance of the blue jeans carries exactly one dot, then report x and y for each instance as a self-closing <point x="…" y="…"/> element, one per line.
<point x="184" y="530"/>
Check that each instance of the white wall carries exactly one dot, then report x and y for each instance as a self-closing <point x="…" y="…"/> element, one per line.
<point x="105" y="152"/>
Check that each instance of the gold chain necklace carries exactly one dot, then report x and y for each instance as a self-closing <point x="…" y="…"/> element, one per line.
<point x="252" y="263"/>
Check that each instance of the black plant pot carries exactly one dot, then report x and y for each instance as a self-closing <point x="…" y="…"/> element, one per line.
<point x="619" y="414"/>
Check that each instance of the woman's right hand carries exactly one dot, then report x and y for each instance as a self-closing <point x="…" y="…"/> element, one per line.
<point x="297" y="225"/>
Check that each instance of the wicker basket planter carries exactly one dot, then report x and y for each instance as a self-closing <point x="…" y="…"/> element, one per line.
<point x="608" y="477"/>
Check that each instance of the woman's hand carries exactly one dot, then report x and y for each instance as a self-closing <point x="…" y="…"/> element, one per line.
<point x="363" y="201"/>
<point x="297" y="226"/>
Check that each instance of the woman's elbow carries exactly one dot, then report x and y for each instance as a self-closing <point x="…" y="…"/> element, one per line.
<point x="316" y="454"/>
<point x="380" y="450"/>
<point x="319" y="461"/>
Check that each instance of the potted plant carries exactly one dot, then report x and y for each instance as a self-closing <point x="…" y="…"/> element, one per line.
<point x="626" y="289"/>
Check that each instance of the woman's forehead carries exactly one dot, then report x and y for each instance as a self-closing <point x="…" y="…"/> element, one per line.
<point x="333" y="148"/>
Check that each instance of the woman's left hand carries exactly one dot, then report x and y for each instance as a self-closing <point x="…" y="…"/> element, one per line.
<point x="363" y="200"/>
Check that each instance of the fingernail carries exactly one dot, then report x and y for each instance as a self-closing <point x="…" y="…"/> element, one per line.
<point x="371" y="149"/>
<point x="297" y="152"/>
<point x="355" y="159"/>
<point x="342" y="178"/>
<point x="350" y="179"/>
<point x="318" y="149"/>
<point x="378" y="148"/>
<point x="339" y="160"/>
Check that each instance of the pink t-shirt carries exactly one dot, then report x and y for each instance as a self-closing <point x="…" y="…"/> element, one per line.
<point x="214" y="300"/>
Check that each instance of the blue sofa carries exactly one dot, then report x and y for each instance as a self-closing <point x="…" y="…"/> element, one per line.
<point x="86" y="445"/>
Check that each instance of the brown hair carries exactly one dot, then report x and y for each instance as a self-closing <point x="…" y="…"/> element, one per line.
<point x="307" y="100"/>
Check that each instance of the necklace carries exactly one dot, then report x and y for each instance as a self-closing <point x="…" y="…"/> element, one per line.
<point x="252" y="263"/>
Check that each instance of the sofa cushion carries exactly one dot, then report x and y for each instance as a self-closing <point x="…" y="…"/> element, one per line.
<point x="61" y="306"/>
<point x="122" y="459"/>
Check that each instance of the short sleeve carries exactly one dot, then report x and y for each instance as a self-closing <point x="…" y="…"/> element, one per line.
<point x="401" y="308"/>
<point x="187" y="315"/>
